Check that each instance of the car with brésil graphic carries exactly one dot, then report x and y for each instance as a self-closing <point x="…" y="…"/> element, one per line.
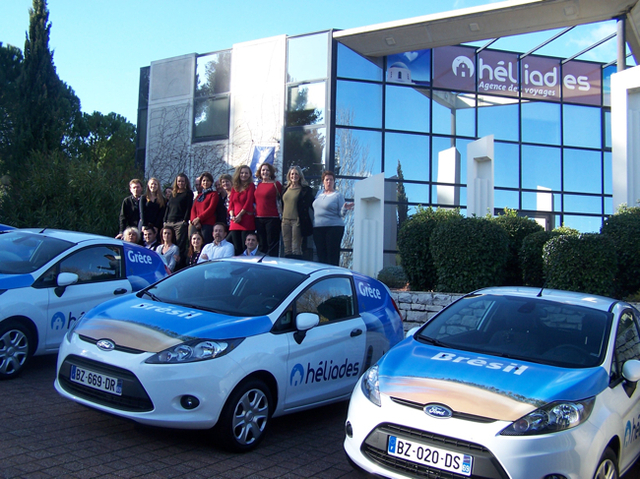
<point x="229" y="344"/>
<point x="50" y="278"/>
<point x="505" y="383"/>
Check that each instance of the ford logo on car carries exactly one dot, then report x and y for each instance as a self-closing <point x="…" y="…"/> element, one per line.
<point x="438" y="411"/>
<point x="105" y="345"/>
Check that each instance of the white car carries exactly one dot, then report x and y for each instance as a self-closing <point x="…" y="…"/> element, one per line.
<point x="49" y="278"/>
<point x="230" y="344"/>
<point x="505" y="383"/>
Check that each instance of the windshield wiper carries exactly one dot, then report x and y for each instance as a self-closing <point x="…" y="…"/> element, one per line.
<point x="433" y="341"/>
<point x="151" y="295"/>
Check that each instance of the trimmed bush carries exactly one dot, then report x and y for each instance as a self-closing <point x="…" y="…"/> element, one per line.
<point x="468" y="254"/>
<point x="623" y="228"/>
<point x="517" y="228"/>
<point x="584" y="263"/>
<point x="413" y="246"/>
<point x="393" y="277"/>
<point x="530" y="255"/>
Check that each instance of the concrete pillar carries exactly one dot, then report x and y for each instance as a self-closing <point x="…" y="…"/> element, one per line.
<point x="369" y="227"/>
<point x="449" y="172"/>
<point x="480" y="177"/>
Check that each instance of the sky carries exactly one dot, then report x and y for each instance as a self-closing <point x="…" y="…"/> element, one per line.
<point x="99" y="46"/>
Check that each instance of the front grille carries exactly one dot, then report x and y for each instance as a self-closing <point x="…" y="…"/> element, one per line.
<point x="485" y="465"/>
<point x="456" y="415"/>
<point x="134" y="398"/>
<point x="123" y="349"/>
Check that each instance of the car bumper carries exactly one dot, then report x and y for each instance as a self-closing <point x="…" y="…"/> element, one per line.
<point x="151" y="393"/>
<point x="573" y="453"/>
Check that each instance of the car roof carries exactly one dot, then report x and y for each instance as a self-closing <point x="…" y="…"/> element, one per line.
<point x="601" y="303"/>
<point x="71" y="236"/>
<point x="297" y="265"/>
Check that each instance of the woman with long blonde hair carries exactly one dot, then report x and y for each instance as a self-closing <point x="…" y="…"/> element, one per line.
<point x="154" y="204"/>
<point x="241" y="214"/>
<point x="297" y="200"/>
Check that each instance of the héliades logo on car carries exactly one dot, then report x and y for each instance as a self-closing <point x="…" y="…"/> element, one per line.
<point x="324" y="371"/>
<point x="632" y="431"/>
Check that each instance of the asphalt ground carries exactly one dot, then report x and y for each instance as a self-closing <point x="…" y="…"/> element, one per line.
<point x="43" y="435"/>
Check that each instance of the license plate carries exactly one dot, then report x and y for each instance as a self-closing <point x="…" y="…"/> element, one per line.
<point x="96" y="380"/>
<point x="430" y="456"/>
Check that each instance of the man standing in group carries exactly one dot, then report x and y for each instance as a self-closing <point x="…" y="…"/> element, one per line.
<point x="251" y="242"/>
<point x="220" y="248"/>
<point x="131" y="212"/>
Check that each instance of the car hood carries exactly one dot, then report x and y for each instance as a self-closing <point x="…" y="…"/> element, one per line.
<point x="15" y="281"/>
<point x="152" y="326"/>
<point x="479" y="384"/>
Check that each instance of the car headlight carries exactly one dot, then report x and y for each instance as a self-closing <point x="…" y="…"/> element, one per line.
<point x="554" y="417"/>
<point x="371" y="385"/>
<point x="73" y="328"/>
<point x="194" y="350"/>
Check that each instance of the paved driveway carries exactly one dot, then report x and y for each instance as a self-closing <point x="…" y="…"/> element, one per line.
<point x="43" y="435"/>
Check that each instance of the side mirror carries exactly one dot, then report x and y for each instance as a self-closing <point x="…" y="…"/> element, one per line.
<point x="63" y="280"/>
<point x="631" y="370"/>
<point x="304" y="322"/>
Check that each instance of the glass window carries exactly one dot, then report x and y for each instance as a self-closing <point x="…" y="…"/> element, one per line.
<point x="606" y="84"/>
<point x="607" y="129"/>
<point x="449" y="196"/>
<point x="506" y="199"/>
<point x="411" y="152"/>
<point x="331" y="299"/>
<point x="541" y="122"/>
<point x="306" y="104"/>
<point x="451" y="170"/>
<point x="627" y="342"/>
<point x="407" y="109"/>
<point x="541" y="201"/>
<point x="506" y="165"/>
<point x="211" y="118"/>
<point x="213" y="74"/>
<point x="454" y="113"/>
<point x="308" y="57"/>
<point x="498" y="116"/>
<point x="541" y="167"/>
<point x="306" y="149"/>
<point x="608" y="172"/>
<point x="582" y="171"/>
<point x="582" y="204"/>
<point x="354" y="65"/>
<point x="581" y="126"/>
<point x="410" y="67"/>
<point x="359" y="104"/>
<point x="358" y="152"/>
<point x="584" y="224"/>
<point x="98" y="263"/>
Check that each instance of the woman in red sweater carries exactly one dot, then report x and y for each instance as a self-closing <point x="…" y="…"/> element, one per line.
<point x="268" y="200"/>
<point x="203" y="211"/>
<point x="241" y="212"/>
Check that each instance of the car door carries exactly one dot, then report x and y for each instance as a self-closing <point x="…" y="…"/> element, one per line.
<point x="622" y="397"/>
<point x="328" y="360"/>
<point x="100" y="277"/>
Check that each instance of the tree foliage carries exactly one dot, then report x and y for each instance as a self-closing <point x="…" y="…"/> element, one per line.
<point x="623" y="228"/>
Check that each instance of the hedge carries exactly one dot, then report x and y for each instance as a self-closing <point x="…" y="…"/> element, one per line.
<point x="623" y="228"/>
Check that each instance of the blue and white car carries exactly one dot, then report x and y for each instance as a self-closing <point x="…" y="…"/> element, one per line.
<point x="229" y="344"/>
<point x="50" y="278"/>
<point x="505" y="383"/>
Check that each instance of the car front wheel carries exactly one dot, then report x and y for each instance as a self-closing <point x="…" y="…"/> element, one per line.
<point x="15" y="341"/>
<point x="245" y="417"/>
<point x="608" y="466"/>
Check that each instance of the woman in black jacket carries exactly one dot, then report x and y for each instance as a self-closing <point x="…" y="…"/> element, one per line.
<point x="297" y="201"/>
<point x="178" y="211"/>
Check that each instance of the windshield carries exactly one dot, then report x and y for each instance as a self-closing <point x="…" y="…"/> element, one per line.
<point x="530" y="329"/>
<point x="237" y="289"/>
<point x="22" y="252"/>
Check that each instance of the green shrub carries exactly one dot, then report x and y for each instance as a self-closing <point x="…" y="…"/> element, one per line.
<point x="413" y="246"/>
<point x="517" y="228"/>
<point x="623" y="228"/>
<point x="468" y="254"/>
<point x="584" y="263"/>
<point x="530" y="255"/>
<point x="393" y="277"/>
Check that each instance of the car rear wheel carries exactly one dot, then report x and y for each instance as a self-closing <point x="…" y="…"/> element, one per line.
<point x="245" y="417"/>
<point x="608" y="466"/>
<point x="15" y="348"/>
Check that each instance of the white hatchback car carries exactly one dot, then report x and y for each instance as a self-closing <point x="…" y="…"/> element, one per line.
<point x="49" y="278"/>
<point x="505" y="383"/>
<point x="230" y="344"/>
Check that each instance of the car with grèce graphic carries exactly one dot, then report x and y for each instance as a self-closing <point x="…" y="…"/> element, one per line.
<point x="50" y="278"/>
<point x="505" y="383"/>
<point x="227" y="345"/>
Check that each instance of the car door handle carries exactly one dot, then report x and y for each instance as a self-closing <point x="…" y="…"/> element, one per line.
<point x="356" y="332"/>
<point x="120" y="291"/>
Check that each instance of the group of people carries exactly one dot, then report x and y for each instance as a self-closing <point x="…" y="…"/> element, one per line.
<point x="235" y="216"/>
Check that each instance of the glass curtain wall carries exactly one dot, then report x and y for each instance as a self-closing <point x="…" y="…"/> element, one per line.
<point x="412" y="116"/>
<point x="212" y="99"/>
